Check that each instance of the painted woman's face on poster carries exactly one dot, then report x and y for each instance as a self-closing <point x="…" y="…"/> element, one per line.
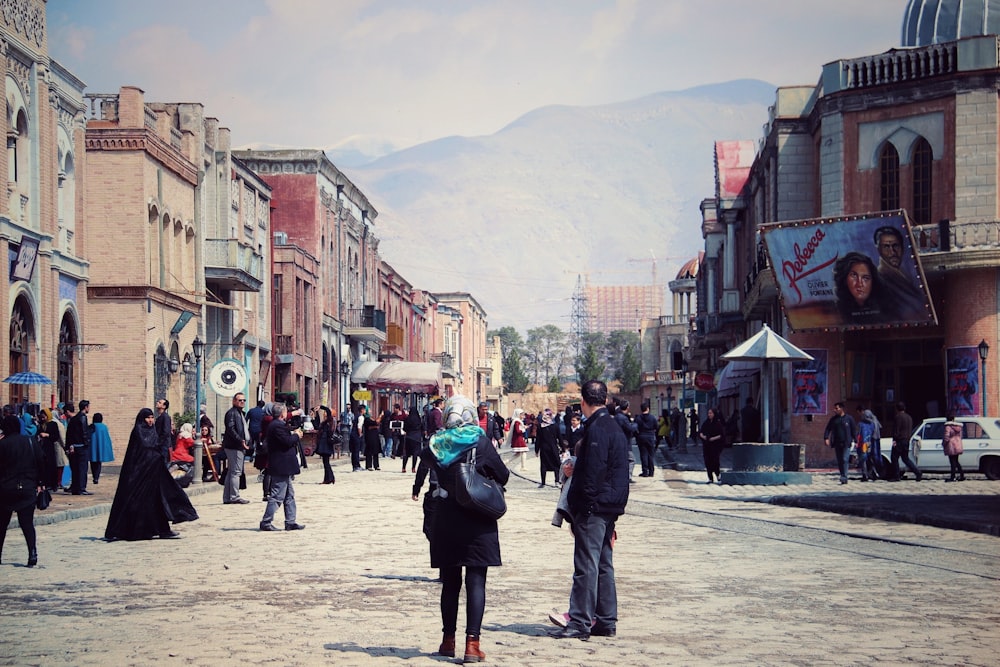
<point x="854" y="273"/>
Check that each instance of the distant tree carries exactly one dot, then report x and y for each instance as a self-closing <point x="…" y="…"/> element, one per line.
<point x="593" y="339"/>
<point x="588" y="365"/>
<point x="514" y="377"/>
<point x="631" y="371"/>
<point x="509" y="340"/>
<point x="555" y="385"/>
<point x="614" y="351"/>
<point x="545" y="346"/>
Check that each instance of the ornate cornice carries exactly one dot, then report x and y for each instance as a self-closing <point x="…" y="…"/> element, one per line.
<point x="25" y="18"/>
<point x="141" y="139"/>
<point x="141" y="292"/>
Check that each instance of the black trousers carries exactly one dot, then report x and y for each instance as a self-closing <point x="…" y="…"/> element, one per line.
<point x="900" y="453"/>
<point x="79" y="461"/>
<point x="475" y="598"/>
<point x="25" y="519"/>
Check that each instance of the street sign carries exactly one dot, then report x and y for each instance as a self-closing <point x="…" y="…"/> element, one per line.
<point x="361" y="395"/>
<point x="704" y="381"/>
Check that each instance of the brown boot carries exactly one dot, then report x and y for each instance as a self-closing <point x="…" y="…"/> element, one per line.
<point x="447" y="647"/>
<point x="472" y="652"/>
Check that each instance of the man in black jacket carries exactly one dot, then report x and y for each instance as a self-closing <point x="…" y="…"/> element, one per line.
<point x="283" y="465"/>
<point x="645" y="437"/>
<point x="597" y="496"/>
<point x="840" y="432"/>
<point x="164" y="429"/>
<point x="236" y="443"/>
<point x="78" y="445"/>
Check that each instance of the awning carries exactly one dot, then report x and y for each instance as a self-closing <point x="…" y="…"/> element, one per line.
<point x="733" y="374"/>
<point x="415" y="376"/>
<point x="362" y="370"/>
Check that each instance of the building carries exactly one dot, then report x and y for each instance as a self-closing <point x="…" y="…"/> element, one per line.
<point x="44" y="290"/>
<point x="622" y="307"/>
<point x="913" y="128"/>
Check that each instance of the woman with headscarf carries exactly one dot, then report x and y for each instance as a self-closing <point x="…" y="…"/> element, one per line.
<point x="413" y="437"/>
<point x="20" y="481"/>
<point x="547" y="446"/>
<point x="148" y="498"/>
<point x="101" y="450"/>
<point x="713" y="437"/>
<point x="462" y="537"/>
<point x="515" y="434"/>
<point x="51" y="443"/>
<point x="324" y="440"/>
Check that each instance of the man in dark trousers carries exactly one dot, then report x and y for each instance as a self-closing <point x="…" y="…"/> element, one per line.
<point x="597" y="496"/>
<point x="902" y="429"/>
<point x="236" y="443"/>
<point x="78" y="445"/>
<point x="840" y="432"/>
<point x="283" y="465"/>
<point x="164" y="429"/>
<point x="255" y="424"/>
<point x="645" y="438"/>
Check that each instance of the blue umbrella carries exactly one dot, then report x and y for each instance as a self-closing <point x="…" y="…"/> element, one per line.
<point x="27" y="377"/>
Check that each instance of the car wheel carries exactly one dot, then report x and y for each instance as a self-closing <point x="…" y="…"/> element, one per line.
<point x="991" y="466"/>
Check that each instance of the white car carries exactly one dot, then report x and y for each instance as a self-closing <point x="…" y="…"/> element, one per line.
<point x="980" y="441"/>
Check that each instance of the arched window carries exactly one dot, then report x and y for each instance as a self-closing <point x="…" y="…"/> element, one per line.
<point x="67" y="353"/>
<point x="22" y="336"/>
<point x="922" y="182"/>
<point x="888" y="162"/>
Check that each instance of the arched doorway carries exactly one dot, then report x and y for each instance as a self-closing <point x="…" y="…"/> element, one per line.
<point x="161" y="373"/>
<point x="67" y="355"/>
<point x="22" y="340"/>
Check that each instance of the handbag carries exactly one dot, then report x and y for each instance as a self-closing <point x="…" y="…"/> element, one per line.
<point x="477" y="492"/>
<point x="43" y="499"/>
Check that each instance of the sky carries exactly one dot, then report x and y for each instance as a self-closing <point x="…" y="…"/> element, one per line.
<point x="389" y="74"/>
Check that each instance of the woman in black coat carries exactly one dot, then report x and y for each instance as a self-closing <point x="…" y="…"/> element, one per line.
<point x="462" y="537"/>
<point x="324" y="440"/>
<point x="413" y="437"/>
<point x="148" y="498"/>
<point x="713" y="438"/>
<point x="21" y="462"/>
<point x="547" y="446"/>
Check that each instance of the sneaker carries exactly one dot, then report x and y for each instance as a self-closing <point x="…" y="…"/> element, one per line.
<point x="294" y="526"/>
<point x="561" y="620"/>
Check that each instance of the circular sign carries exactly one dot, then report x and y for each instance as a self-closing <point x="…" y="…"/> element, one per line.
<point x="704" y="381"/>
<point x="227" y="377"/>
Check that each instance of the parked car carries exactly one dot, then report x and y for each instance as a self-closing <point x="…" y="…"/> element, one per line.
<point x="980" y="440"/>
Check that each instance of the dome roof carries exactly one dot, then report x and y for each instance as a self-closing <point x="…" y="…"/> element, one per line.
<point x="689" y="270"/>
<point x="934" y="21"/>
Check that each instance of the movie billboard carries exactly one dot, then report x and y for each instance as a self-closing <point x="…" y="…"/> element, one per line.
<point x="860" y="272"/>
<point x="964" y="399"/>
<point x="809" y="380"/>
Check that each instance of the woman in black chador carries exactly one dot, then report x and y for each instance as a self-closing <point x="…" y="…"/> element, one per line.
<point x="148" y="499"/>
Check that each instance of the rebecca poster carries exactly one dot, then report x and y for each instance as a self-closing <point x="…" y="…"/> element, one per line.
<point x="809" y="380"/>
<point x="964" y="399"/>
<point x="848" y="273"/>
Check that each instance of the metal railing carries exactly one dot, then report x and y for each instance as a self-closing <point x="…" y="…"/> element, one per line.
<point x="230" y="253"/>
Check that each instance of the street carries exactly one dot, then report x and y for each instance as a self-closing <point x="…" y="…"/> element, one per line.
<point x="705" y="576"/>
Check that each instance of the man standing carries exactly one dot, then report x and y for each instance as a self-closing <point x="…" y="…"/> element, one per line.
<point x="645" y="438"/>
<point x="283" y="465"/>
<point x="489" y="425"/>
<point x="903" y="297"/>
<point x="235" y="442"/>
<point x="255" y="424"/>
<point x="78" y="444"/>
<point x="902" y="429"/>
<point x="840" y="432"/>
<point x="164" y="429"/>
<point x="597" y="496"/>
<point x="435" y="419"/>
<point x="351" y="437"/>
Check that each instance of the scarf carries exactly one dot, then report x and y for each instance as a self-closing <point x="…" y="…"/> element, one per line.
<point x="449" y="444"/>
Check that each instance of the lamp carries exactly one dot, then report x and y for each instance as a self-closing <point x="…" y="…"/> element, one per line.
<point x="198" y="348"/>
<point x="174" y="365"/>
<point x="344" y="367"/>
<point x="984" y="351"/>
<point x="198" y="345"/>
<point x="186" y="364"/>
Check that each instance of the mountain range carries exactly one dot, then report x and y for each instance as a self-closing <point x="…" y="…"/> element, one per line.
<point x="516" y="217"/>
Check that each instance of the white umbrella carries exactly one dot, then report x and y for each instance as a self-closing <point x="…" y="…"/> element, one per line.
<point x="764" y="346"/>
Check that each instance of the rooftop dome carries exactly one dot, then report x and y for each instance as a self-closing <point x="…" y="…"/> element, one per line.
<point x="689" y="270"/>
<point x="934" y="21"/>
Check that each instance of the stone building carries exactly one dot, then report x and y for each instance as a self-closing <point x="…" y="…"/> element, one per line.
<point x="914" y="128"/>
<point x="44" y="288"/>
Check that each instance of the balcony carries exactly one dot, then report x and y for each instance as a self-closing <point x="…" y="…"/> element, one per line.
<point x="284" y="349"/>
<point x="950" y="246"/>
<point x="233" y="265"/>
<point x="447" y="364"/>
<point x="366" y="324"/>
<point x="759" y="289"/>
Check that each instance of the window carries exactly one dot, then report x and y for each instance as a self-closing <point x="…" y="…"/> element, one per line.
<point x="922" y="182"/>
<point x="888" y="163"/>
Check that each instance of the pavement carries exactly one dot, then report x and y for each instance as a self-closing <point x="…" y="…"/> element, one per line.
<point x="973" y="505"/>
<point x="706" y="575"/>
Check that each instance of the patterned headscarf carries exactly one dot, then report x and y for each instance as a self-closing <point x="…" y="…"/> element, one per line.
<point x="547" y="417"/>
<point x="461" y="431"/>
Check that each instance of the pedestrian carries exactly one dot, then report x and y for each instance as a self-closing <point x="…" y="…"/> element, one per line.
<point x="902" y="429"/>
<point x="325" y="435"/>
<point x="255" y="424"/>
<point x="370" y="436"/>
<point x="713" y="439"/>
<point x="645" y="438"/>
<point x="53" y="447"/>
<point x="164" y="429"/>
<point x="574" y="436"/>
<point x="597" y="496"/>
<point x="148" y="499"/>
<point x="462" y="538"/>
<point x="78" y="441"/>
<point x="283" y="465"/>
<point x="840" y="432"/>
<point x="349" y="431"/>
<point x="385" y="434"/>
<point x="413" y="438"/>
<point x="396" y="420"/>
<point x="663" y="428"/>
<point x="951" y="443"/>
<point x="21" y="480"/>
<point x="236" y="443"/>
<point x="619" y="410"/>
<point x="101" y="449"/>
<point x="183" y="451"/>
<point x="435" y="418"/>
<point x="866" y="443"/>
<point x="489" y="424"/>
<point x="547" y="447"/>
<point x="750" y="422"/>
<point x="515" y="434"/>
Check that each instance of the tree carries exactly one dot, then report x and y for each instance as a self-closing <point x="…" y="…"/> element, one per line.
<point x="514" y="377"/>
<point x="631" y="371"/>
<point x="594" y="339"/>
<point x="555" y="385"/>
<point x="614" y="350"/>
<point x="545" y="348"/>
<point x="588" y="365"/>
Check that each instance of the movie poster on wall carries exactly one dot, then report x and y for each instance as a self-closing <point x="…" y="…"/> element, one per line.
<point x="809" y="382"/>
<point x="964" y="399"/>
<point x="848" y="273"/>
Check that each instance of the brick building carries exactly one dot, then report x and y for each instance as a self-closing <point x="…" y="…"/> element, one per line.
<point x="912" y="128"/>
